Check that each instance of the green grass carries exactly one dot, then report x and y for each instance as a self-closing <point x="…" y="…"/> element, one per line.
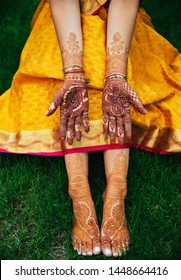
<point x="35" y="210"/>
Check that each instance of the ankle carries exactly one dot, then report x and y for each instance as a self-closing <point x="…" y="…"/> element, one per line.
<point x="116" y="191"/>
<point x="78" y="193"/>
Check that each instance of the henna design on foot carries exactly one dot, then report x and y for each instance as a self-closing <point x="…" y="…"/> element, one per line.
<point x="85" y="231"/>
<point x="114" y="231"/>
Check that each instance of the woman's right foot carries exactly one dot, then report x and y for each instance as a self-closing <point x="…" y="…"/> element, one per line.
<point x="85" y="231"/>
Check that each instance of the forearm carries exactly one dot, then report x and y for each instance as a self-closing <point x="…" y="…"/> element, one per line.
<point x="121" y="21"/>
<point x="67" y="22"/>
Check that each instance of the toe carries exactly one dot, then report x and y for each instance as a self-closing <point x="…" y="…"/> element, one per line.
<point x="79" y="248"/>
<point x="106" y="248"/>
<point x="89" y="249"/>
<point x="96" y="250"/>
<point x="127" y="243"/>
<point x="74" y="244"/>
<point x="124" y="247"/>
<point x="115" y="249"/>
<point x="115" y="253"/>
<point x="96" y="247"/>
<point x="120" y="249"/>
<point x="84" y="249"/>
<point x="107" y="251"/>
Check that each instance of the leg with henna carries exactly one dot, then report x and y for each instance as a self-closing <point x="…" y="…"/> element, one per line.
<point x="114" y="230"/>
<point x="85" y="231"/>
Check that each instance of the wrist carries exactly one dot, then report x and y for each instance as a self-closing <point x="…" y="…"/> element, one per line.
<point x="116" y="76"/>
<point x="73" y="68"/>
<point x="75" y="73"/>
<point x="76" y="77"/>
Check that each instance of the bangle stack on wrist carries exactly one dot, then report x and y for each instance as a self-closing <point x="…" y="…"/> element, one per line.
<point x="73" y="68"/>
<point x="75" y="72"/>
<point x="116" y="76"/>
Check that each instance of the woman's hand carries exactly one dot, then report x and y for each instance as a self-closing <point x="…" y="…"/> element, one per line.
<point x="116" y="101"/>
<point x="72" y="98"/>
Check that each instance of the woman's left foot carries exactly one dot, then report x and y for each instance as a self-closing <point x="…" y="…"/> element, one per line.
<point x="115" y="238"/>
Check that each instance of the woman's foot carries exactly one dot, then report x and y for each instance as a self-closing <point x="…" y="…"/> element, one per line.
<point x="85" y="231"/>
<point x="114" y="232"/>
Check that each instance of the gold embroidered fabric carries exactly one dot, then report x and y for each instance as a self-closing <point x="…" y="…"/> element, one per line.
<point x="154" y="72"/>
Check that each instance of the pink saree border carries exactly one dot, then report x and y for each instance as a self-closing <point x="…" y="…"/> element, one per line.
<point x="94" y="149"/>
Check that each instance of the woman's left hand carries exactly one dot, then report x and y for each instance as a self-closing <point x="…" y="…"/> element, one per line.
<point x="116" y="101"/>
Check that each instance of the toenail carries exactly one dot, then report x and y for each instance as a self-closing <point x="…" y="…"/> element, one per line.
<point x="108" y="252"/>
<point x="115" y="254"/>
<point x="89" y="253"/>
<point x="84" y="254"/>
<point x="97" y="250"/>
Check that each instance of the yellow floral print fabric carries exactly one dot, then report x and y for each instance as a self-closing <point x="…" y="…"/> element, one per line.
<point x="154" y="71"/>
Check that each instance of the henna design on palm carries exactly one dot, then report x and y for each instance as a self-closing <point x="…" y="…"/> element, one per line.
<point x="72" y="98"/>
<point x="116" y="101"/>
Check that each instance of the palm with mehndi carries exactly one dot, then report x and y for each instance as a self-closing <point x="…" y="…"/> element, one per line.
<point x="72" y="97"/>
<point x="117" y="98"/>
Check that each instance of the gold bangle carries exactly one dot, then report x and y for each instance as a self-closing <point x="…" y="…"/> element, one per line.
<point x="71" y="68"/>
<point x="115" y="76"/>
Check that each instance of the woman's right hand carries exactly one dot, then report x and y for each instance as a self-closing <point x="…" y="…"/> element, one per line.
<point x="72" y="97"/>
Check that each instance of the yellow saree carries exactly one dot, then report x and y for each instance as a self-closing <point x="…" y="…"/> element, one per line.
<point x="154" y="71"/>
